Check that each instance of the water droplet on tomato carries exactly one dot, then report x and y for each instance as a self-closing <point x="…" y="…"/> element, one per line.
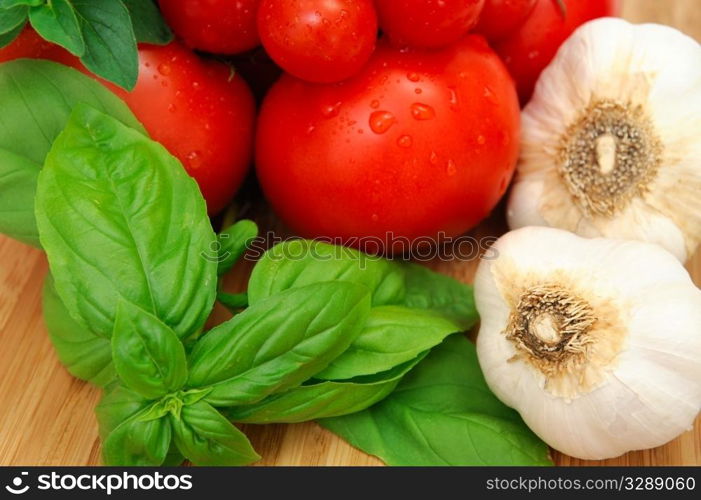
<point x="404" y="141"/>
<point x="331" y="110"/>
<point x="453" y="99"/>
<point x="451" y="168"/>
<point x="375" y="217"/>
<point x="422" y="111"/>
<point x="533" y="54"/>
<point x="413" y="77"/>
<point x="171" y="108"/>
<point x="374" y="104"/>
<point x="481" y="139"/>
<point x="418" y="90"/>
<point x="381" y="121"/>
<point x="193" y="159"/>
<point x="433" y="158"/>
<point x="164" y="69"/>
<point x="195" y="84"/>
<point x="489" y="94"/>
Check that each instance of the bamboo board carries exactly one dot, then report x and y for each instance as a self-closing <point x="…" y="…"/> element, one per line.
<point x="46" y="416"/>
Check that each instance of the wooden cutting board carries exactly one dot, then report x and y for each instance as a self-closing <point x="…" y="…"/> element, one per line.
<point x="46" y="416"/>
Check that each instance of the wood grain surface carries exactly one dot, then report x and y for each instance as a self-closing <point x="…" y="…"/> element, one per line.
<point x="46" y="416"/>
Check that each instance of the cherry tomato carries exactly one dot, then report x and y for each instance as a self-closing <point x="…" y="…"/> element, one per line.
<point x="501" y="17"/>
<point x="417" y="143"/>
<point x="200" y="111"/>
<point x="217" y="26"/>
<point x="427" y="23"/>
<point x="529" y="49"/>
<point x="318" y="40"/>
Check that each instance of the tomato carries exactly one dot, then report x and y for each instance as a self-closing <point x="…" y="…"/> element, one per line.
<point x="427" y="23"/>
<point x="417" y="143"/>
<point x="318" y="40"/>
<point x="201" y="113"/>
<point x="529" y="49"/>
<point x="217" y="26"/>
<point x="501" y="17"/>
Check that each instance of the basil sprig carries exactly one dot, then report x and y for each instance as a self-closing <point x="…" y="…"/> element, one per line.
<point x="103" y="33"/>
<point x="322" y="331"/>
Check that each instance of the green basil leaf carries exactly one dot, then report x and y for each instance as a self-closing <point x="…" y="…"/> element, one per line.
<point x="426" y="289"/>
<point x="234" y="302"/>
<point x="85" y="355"/>
<point x="56" y="22"/>
<point x="323" y="399"/>
<point x="6" y="4"/>
<point x="279" y="342"/>
<point x="205" y="437"/>
<point x="392" y="335"/>
<point x="8" y="37"/>
<point x="137" y="442"/>
<point x="119" y="403"/>
<point x="233" y="242"/>
<point x="118" y="216"/>
<point x="36" y="99"/>
<point x="297" y="263"/>
<point x="442" y="413"/>
<point x="110" y="44"/>
<point x="148" y="24"/>
<point x="18" y="181"/>
<point x="174" y="457"/>
<point x="148" y="355"/>
<point x="12" y="17"/>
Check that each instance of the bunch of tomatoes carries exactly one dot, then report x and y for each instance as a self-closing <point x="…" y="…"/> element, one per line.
<point x="389" y="117"/>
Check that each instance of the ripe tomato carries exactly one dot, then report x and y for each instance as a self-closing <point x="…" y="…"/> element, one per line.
<point x="198" y="110"/>
<point x="318" y="40"/>
<point x="501" y="17"/>
<point x="417" y="143"/>
<point x="427" y="23"/>
<point x="529" y="49"/>
<point x="217" y="26"/>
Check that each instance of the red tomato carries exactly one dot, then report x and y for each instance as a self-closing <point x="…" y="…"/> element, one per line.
<point x="427" y="23"/>
<point x="318" y="40"/>
<point x="217" y="26"/>
<point x="202" y="113"/>
<point x="417" y="143"/>
<point x="501" y="17"/>
<point x="528" y="50"/>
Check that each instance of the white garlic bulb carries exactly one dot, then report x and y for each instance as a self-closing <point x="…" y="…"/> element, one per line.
<point x="595" y="342"/>
<point x="611" y="141"/>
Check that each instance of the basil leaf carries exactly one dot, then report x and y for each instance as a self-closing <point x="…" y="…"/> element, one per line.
<point x="148" y="356"/>
<point x="443" y="413"/>
<point x="148" y="24"/>
<point x="18" y="180"/>
<point x="110" y="44"/>
<point x="426" y="289"/>
<point x="391" y="336"/>
<point x="205" y="437"/>
<point x="119" y="403"/>
<point x="141" y="222"/>
<point x="279" y="342"/>
<point x="233" y="242"/>
<point x="234" y="302"/>
<point x="10" y="36"/>
<point x="323" y="399"/>
<point x="137" y="442"/>
<point x="12" y="17"/>
<point x="6" y="4"/>
<point x="84" y="354"/>
<point x="56" y="22"/>
<point x="297" y="263"/>
<point x="36" y="98"/>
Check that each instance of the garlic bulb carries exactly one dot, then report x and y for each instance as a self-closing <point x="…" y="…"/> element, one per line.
<point x="595" y="342"/>
<point x="611" y="139"/>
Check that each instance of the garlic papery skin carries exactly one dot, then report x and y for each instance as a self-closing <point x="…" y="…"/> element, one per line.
<point x="611" y="140"/>
<point x="595" y="342"/>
